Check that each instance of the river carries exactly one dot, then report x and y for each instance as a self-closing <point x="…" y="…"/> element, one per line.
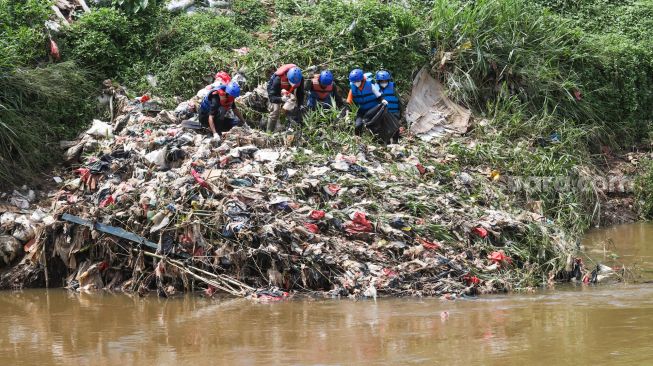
<point x="571" y="325"/>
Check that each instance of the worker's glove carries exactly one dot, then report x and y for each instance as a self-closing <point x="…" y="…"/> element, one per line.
<point x="384" y="102"/>
<point x="284" y="98"/>
<point x="216" y="136"/>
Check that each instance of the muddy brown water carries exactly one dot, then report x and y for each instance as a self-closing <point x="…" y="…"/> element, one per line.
<point x="572" y="325"/>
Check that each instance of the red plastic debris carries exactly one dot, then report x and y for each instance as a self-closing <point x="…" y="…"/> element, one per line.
<point x="429" y="244"/>
<point x="333" y="189"/>
<point x="480" y="232"/>
<point x="210" y="291"/>
<point x="421" y="168"/>
<point x="316" y="215"/>
<point x="499" y="257"/>
<point x="471" y="280"/>
<point x="83" y="171"/>
<point x="360" y="224"/>
<point x="84" y="174"/>
<point x="389" y="273"/>
<point x="103" y="266"/>
<point x="312" y="228"/>
<point x="199" y="179"/>
<point x="586" y="279"/>
<point x="225" y="160"/>
<point x="28" y="246"/>
<point x="54" y="50"/>
<point x="107" y="201"/>
<point x="199" y="252"/>
<point x="186" y="239"/>
<point x="144" y="98"/>
<point x="147" y="132"/>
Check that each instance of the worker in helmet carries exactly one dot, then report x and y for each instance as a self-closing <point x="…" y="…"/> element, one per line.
<point x="387" y="88"/>
<point x="287" y="81"/>
<point x="215" y="106"/>
<point x="322" y="91"/>
<point x="364" y="95"/>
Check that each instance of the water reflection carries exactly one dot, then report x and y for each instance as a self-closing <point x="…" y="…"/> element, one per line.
<point x="576" y="325"/>
<point x="607" y="324"/>
<point x="630" y="245"/>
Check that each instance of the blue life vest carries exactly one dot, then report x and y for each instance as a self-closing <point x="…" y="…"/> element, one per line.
<point x="205" y="106"/>
<point x="364" y="99"/>
<point x="390" y="96"/>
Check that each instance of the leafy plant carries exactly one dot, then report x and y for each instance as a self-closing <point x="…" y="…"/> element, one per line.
<point x="98" y="40"/>
<point x="249" y="14"/>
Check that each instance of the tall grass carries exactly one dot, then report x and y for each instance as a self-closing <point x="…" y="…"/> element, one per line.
<point x="38" y="106"/>
<point x="501" y="49"/>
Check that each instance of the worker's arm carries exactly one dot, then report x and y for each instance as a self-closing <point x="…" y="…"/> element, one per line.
<point x="274" y="90"/>
<point x="350" y="98"/>
<point x="376" y="89"/>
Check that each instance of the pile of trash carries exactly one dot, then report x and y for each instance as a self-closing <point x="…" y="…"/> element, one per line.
<point x="147" y="205"/>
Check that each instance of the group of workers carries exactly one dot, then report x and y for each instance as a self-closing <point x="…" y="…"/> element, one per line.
<point x="367" y="91"/>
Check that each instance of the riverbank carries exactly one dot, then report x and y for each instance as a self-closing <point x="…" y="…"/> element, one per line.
<point x="146" y="205"/>
<point x="444" y="218"/>
<point x="335" y="216"/>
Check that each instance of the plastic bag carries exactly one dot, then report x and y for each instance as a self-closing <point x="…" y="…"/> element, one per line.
<point x="382" y="123"/>
<point x="157" y="157"/>
<point x="100" y="129"/>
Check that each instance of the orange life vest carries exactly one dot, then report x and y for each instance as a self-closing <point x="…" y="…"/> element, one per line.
<point x="323" y="92"/>
<point x="282" y="73"/>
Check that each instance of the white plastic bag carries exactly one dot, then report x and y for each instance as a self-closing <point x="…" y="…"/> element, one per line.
<point x="100" y="129"/>
<point x="157" y="157"/>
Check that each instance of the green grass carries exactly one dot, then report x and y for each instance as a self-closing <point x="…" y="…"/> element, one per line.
<point x="38" y="107"/>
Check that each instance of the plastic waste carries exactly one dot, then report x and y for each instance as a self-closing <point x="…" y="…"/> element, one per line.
<point x="178" y="5"/>
<point x="100" y="129"/>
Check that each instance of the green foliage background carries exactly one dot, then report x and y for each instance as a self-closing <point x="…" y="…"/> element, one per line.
<point x="580" y="70"/>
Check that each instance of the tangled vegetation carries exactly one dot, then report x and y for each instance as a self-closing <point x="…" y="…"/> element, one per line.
<point x="579" y="71"/>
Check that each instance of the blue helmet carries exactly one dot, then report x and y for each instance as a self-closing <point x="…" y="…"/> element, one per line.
<point x="356" y="75"/>
<point x="233" y="89"/>
<point x="326" y="77"/>
<point x="383" y="76"/>
<point x="295" y="75"/>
